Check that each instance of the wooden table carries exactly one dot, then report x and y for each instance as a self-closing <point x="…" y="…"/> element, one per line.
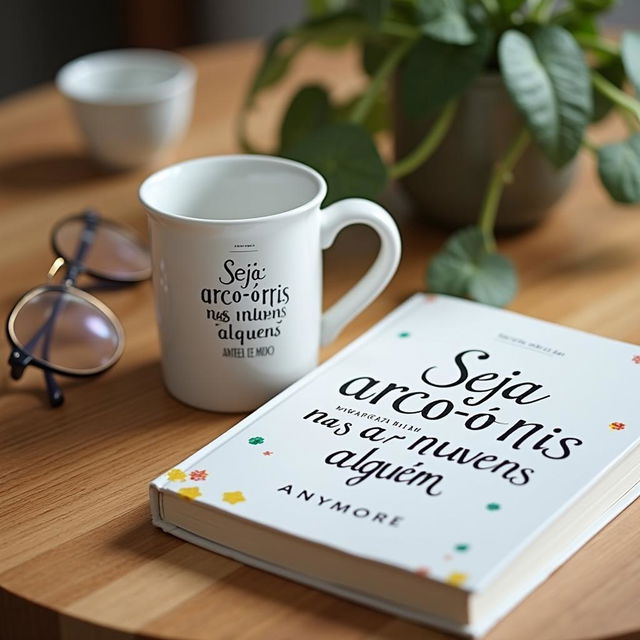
<point x="79" y="558"/>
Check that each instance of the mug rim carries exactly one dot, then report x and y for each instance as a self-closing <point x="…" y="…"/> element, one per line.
<point x="159" y="175"/>
<point x="182" y="78"/>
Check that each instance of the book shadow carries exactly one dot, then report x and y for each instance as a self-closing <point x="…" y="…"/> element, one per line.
<point x="303" y="607"/>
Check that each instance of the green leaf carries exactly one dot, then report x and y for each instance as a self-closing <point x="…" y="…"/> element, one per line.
<point x="593" y="6"/>
<point x="435" y="72"/>
<point x="548" y="80"/>
<point x="613" y="71"/>
<point x="495" y="281"/>
<point x="579" y="23"/>
<point x="322" y="7"/>
<point x="346" y="156"/>
<point x="630" y="50"/>
<point x="309" y="109"/>
<point x="373" y="10"/>
<point x="465" y="268"/>
<point x="619" y="169"/>
<point x="335" y="29"/>
<point x="507" y="7"/>
<point x="444" y="20"/>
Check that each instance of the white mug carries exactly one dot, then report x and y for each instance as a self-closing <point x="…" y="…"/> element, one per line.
<point x="237" y="270"/>
<point x="131" y="104"/>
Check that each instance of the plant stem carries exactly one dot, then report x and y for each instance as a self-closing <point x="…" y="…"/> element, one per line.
<point x="499" y="177"/>
<point x="617" y="96"/>
<point x="427" y="145"/>
<point x="399" y="29"/>
<point x="596" y="43"/>
<point x="363" y="106"/>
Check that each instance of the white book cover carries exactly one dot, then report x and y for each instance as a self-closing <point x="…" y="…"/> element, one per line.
<point x="442" y="441"/>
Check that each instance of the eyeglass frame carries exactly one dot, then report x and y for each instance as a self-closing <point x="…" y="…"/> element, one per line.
<point x="19" y="359"/>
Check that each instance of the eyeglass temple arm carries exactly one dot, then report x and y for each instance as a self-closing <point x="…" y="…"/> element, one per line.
<point x="19" y="361"/>
<point x="92" y="218"/>
<point x="56" y="397"/>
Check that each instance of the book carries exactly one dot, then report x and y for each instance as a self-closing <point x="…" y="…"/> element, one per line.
<point x="438" y="468"/>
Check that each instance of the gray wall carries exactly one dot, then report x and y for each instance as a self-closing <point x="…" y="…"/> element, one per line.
<point x="38" y="36"/>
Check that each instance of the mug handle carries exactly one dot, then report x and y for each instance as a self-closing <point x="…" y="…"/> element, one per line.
<point x="335" y="218"/>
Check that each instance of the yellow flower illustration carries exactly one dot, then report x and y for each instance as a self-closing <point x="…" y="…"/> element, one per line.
<point x="233" y="496"/>
<point x="176" y="475"/>
<point x="190" y="493"/>
<point x="456" y="579"/>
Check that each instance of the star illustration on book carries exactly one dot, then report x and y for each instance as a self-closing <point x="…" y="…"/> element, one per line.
<point x="198" y="474"/>
<point x="636" y="359"/>
<point x="423" y="572"/>
<point x="256" y="440"/>
<point x="617" y="426"/>
<point x="233" y="497"/>
<point x="267" y="453"/>
<point x="190" y="493"/>
<point x="456" y="578"/>
<point x="176" y="475"/>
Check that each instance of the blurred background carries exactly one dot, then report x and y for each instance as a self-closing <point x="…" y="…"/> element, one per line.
<point x="38" y="36"/>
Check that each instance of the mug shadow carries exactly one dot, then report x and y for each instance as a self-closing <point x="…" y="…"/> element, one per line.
<point x="52" y="170"/>
<point x="121" y="407"/>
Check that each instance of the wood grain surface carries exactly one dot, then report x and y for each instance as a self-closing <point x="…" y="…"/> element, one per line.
<point x="79" y="558"/>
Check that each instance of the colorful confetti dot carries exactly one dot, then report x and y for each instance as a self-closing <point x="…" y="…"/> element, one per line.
<point x="423" y="572"/>
<point x="456" y="578"/>
<point x="617" y="426"/>
<point x="256" y="440"/>
<point x="190" y="493"/>
<point x="232" y="497"/>
<point x="176" y="475"/>
<point x="448" y="557"/>
<point x="636" y="359"/>
<point x="463" y="546"/>
<point x="404" y="334"/>
<point x="267" y="453"/>
<point x="493" y="506"/>
<point x="430" y="297"/>
<point x="198" y="474"/>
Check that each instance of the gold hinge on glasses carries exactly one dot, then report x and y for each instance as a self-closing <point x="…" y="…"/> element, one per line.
<point x="55" y="267"/>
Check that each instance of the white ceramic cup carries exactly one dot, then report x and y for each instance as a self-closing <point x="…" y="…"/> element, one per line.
<point x="130" y="104"/>
<point x="237" y="270"/>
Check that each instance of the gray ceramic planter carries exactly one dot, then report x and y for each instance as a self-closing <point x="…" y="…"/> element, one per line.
<point x="449" y="188"/>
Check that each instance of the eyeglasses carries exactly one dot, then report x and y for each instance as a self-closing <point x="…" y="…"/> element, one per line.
<point x="63" y="329"/>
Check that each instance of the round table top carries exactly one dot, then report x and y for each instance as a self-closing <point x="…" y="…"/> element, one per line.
<point x="79" y="557"/>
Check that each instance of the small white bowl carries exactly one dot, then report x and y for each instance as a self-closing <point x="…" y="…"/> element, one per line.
<point x="131" y="104"/>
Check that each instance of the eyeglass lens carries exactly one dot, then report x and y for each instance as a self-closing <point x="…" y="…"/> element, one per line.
<point x="115" y="254"/>
<point x="66" y="331"/>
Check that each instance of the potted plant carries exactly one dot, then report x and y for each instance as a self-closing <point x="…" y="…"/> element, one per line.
<point x="546" y="61"/>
